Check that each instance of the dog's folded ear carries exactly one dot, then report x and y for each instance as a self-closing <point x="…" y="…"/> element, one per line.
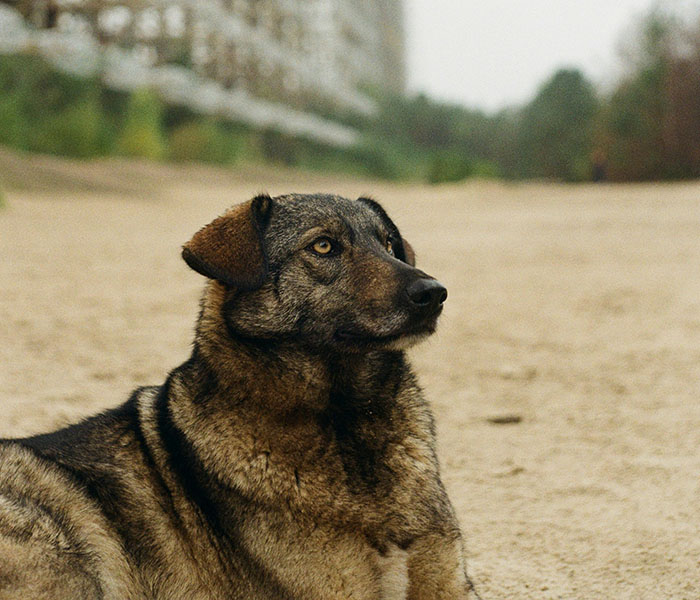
<point x="409" y="254"/>
<point x="406" y="252"/>
<point x="231" y="249"/>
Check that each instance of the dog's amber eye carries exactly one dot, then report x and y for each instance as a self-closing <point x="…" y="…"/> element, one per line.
<point x="322" y="246"/>
<point x="390" y="247"/>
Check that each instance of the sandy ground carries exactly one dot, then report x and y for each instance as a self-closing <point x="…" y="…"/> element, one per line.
<point x="573" y="309"/>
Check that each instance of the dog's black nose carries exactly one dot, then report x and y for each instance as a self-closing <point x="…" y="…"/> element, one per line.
<point x="427" y="293"/>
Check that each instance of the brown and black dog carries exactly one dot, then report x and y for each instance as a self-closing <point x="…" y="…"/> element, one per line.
<point x="291" y="457"/>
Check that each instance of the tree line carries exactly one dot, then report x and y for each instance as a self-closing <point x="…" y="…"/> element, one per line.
<point x="646" y="128"/>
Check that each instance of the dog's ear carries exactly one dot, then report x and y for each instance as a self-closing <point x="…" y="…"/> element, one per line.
<point x="230" y="249"/>
<point x="408" y="252"/>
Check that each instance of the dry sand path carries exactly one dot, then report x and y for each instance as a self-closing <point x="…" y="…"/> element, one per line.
<point x="574" y="309"/>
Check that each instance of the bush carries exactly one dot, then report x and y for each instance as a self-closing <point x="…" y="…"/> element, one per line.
<point x="485" y="169"/>
<point x="142" y="134"/>
<point x="75" y="131"/>
<point x="203" y="141"/>
<point x="449" y="166"/>
<point x="13" y="124"/>
<point x="378" y="159"/>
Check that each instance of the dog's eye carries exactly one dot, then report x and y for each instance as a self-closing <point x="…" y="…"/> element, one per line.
<point x="323" y="246"/>
<point x="389" y="247"/>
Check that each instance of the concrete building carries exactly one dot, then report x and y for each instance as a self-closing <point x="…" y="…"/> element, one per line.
<point x="306" y="54"/>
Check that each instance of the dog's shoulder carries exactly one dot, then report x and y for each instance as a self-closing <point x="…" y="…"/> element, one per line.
<point x="75" y="444"/>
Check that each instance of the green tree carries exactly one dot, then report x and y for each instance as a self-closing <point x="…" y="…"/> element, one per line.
<point x="449" y="166"/>
<point x="651" y="124"/>
<point x="555" y="133"/>
<point x="633" y="120"/>
<point x="682" y="124"/>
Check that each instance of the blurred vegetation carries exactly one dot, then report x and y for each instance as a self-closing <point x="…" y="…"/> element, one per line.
<point x="44" y="110"/>
<point x="203" y="140"/>
<point x="555" y="132"/>
<point x="141" y="133"/>
<point x="48" y="111"/>
<point x="650" y="128"/>
<point x="646" y="127"/>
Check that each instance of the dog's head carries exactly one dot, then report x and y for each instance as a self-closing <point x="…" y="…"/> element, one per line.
<point x="329" y="272"/>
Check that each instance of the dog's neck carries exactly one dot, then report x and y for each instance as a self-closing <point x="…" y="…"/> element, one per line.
<point x="245" y="398"/>
<point x="273" y="420"/>
<point x="287" y="374"/>
<point x="246" y="370"/>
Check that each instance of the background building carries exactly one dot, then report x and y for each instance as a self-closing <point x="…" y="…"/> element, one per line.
<point x="308" y="55"/>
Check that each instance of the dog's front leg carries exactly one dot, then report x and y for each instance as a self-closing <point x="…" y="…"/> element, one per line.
<point x="436" y="568"/>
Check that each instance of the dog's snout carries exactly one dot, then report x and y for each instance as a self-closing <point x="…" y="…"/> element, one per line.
<point x="426" y="293"/>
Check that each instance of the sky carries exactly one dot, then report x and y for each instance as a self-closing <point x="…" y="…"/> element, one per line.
<point x="491" y="54"/>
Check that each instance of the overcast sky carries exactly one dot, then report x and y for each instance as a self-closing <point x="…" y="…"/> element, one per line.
<point x="495" y="53"/>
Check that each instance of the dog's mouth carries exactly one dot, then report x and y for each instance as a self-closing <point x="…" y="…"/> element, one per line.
<point x="357" y="335"/>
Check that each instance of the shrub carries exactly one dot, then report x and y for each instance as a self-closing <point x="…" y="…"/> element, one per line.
<point x="13" y="124"/>
<point x="142" y="133"/>
<point x="485" y="169"/>
<point x="449" y="166"/>
<point x="379" y="159"/>
<point x="203" y="141"/>
<point x="75" y="131"/>
<point x="370" y="157"/>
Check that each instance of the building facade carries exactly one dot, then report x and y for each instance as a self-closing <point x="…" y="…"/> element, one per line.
<point x="306" y="54"/>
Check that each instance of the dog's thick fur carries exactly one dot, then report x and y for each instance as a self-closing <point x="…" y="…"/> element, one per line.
<point x="291" y="457"/>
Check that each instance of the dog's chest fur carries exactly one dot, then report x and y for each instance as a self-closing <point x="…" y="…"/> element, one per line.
<point x="318" y="561"/>
<point x="322" y="494"/>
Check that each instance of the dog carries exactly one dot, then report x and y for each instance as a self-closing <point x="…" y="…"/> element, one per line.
<point x="291" y="457"/>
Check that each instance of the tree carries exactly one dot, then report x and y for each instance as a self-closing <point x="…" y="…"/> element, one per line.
<point x="632" y="123"/>
<point x="681" y="125"/>
<point x="555" y="132"/>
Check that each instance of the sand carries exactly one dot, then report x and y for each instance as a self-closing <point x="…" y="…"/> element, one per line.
<point x="573" y="315"/>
